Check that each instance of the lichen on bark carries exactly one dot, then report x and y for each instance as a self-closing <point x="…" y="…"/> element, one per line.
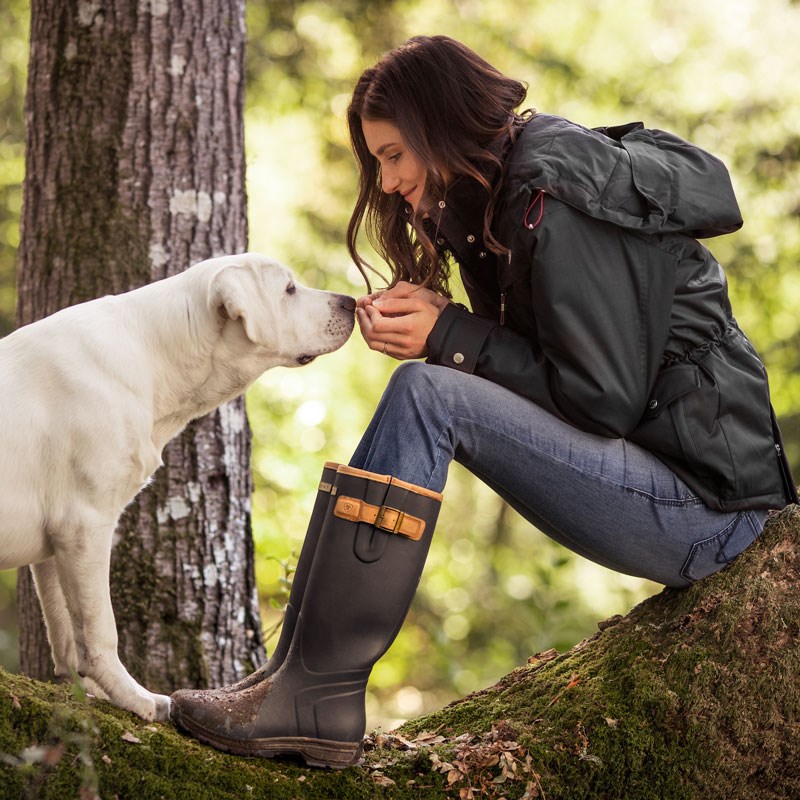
<point x="693" y="694"/>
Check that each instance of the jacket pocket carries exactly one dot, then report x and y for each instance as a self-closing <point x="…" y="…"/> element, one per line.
<point x="708" y="419"/>
<point x="681" y="426"/>
<point x="698" y="420"/>
<point x="681" y="422"/>
<point x="672" y="383"/>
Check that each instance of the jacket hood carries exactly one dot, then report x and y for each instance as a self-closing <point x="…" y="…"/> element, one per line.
<point x="645" y="180"/>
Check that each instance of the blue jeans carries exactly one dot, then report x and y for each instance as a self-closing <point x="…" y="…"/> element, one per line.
<point x="606" y="499"/>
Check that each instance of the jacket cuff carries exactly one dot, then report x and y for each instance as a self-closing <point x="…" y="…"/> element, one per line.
<point x="457" y="338"/>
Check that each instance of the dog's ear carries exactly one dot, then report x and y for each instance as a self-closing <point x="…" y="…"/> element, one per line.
<point x="232" y="293"/>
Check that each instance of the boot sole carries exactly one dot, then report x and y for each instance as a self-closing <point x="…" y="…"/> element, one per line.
<point x="314" y="752"/>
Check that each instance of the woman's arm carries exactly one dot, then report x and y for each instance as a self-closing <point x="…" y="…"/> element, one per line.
<point x="601" y="299"/>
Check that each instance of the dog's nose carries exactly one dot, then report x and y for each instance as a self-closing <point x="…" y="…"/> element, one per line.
<point x="347" y="303"/>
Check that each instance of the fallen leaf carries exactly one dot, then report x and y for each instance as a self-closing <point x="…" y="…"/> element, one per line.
<point x="15" y="702"/>
<point x="427" y="738"/>
<point x="573" y="681"/>
<point x="129" y="737"/>
<point x="405" y="743"/>
<point x="439" y="765"/>
<point x="612" y="723"/>
<point x="453" y="776"/>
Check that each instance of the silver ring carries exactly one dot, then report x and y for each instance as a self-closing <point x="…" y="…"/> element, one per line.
<point x="384" y="347"/>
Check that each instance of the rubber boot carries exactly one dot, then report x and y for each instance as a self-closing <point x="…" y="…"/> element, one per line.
<point x="369" y="559"/>
<point x="325" y="491"/>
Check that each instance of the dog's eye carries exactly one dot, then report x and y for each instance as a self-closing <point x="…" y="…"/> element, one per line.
<point x="291" y="289"/>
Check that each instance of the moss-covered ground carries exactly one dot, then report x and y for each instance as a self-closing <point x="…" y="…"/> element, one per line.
<point x="694" y="694"/>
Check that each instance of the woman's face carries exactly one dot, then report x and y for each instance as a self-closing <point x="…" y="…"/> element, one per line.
<point x="400" y="170"/>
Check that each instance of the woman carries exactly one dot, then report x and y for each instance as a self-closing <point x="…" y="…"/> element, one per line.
<point x="600" y="384"/>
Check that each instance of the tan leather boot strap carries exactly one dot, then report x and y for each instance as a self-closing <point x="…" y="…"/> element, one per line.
<point x="384" y="517"/>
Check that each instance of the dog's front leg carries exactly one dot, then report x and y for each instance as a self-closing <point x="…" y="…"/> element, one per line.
<point x="83" y="573"/>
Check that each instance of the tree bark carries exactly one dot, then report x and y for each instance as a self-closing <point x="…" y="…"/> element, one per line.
<point x="691" y="696"/>
<point x="135" y="169"/>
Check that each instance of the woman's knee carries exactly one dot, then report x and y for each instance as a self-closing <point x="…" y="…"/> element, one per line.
<point x="420" y="386"/>
<point x="415" y="378"/>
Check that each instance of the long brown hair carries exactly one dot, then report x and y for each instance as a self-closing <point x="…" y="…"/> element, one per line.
<point x="453" y="110"/>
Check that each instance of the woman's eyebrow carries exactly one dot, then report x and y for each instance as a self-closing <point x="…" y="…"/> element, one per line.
<point x="383" y="147"/>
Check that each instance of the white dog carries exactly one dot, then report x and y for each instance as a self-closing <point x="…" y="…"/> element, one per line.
<point x="91" y="395"/>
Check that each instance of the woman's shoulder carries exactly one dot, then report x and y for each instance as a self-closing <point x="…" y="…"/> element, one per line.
<point x="646" y="180"/>
<point x="555" y="149"/>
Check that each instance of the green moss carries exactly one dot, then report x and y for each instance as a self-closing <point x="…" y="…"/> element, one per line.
<point x="692" y="695"/>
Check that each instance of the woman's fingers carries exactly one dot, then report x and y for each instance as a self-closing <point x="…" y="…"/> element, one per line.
<point x="399" y="327"/>
<point x="367" y="299"/>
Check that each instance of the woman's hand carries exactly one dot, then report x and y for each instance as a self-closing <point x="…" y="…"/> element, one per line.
<point x="397" y="322"/>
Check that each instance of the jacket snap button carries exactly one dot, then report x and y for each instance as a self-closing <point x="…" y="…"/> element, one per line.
<point x="442" y="204"/>
<point x="458" y="358"/>
<point x="470" y="238"/>
<point x="482" y="255"/>
<point x="653" y="405"/>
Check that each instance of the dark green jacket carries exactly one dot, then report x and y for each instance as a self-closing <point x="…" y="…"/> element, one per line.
<point x="609" y="313"/>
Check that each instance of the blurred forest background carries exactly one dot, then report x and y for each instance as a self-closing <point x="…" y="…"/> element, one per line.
<point x="724" y="75"/>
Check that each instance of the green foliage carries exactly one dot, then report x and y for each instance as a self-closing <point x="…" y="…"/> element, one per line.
<point x="494" y="590"/>
<point x="13" y="62"/>
<point x="8" y="629"/>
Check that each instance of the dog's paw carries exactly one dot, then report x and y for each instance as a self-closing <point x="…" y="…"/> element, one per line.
<point x="152" y="707"/>
<point x="163" y="704"/>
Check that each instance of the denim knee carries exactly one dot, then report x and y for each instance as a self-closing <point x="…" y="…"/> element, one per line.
<point x="417" y="382"/>
<point x="411" y="373"/>
<point x="409" y="435"/>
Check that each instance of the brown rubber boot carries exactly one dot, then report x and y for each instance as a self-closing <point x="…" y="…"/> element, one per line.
<point x="369" y="559"/>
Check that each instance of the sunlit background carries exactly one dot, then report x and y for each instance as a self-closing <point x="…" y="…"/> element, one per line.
<point x="495" y="590"/>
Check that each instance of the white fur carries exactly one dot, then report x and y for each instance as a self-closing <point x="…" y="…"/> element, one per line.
<point x="89" y="397"/>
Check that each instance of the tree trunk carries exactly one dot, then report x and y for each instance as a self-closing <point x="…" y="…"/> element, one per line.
<point x="691" y="696"/>
<point x="135" y="170"/>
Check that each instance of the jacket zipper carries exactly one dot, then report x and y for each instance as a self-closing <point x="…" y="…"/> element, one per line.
<point x="503" y="299"/>
<point x="787" y="482"/>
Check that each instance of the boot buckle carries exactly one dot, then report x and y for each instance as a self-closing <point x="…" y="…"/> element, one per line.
<point x="382" y="523"/>
<point x="355" y="510"/>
